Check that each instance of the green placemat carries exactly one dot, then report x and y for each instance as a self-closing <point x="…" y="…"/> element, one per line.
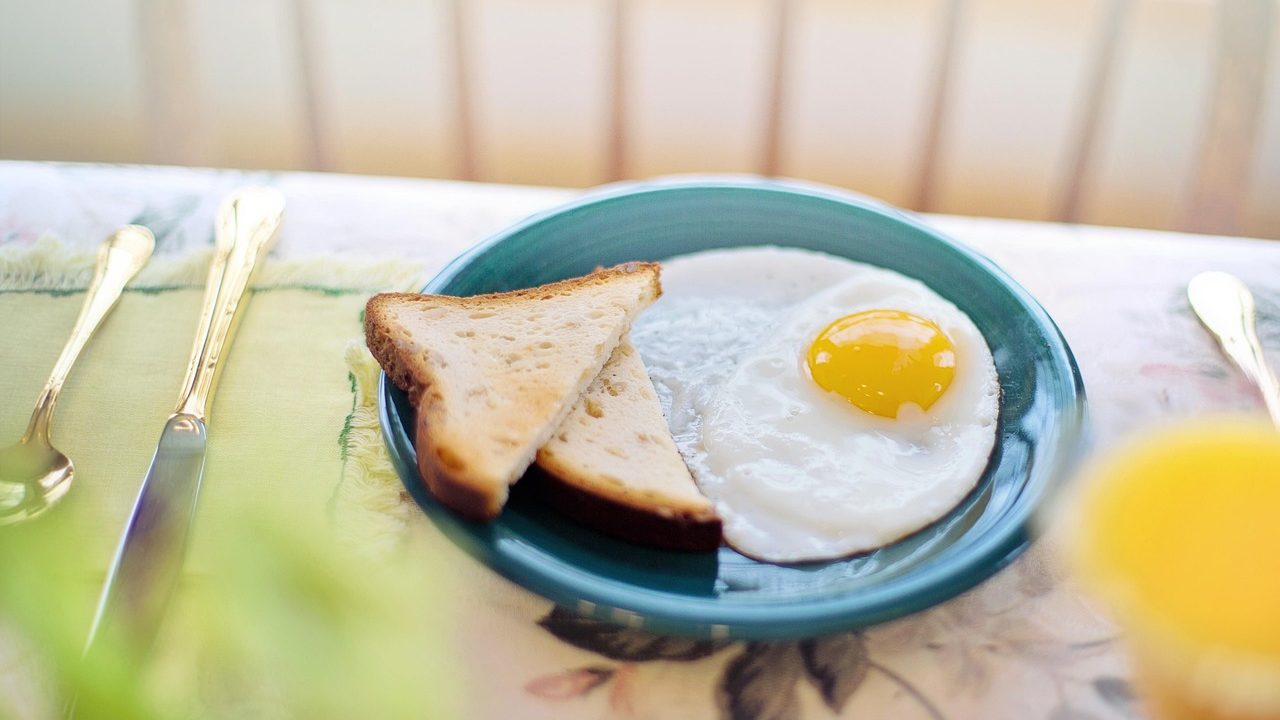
<point x="300" y="514"/>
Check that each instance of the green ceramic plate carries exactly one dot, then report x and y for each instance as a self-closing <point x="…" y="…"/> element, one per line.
<point x="724" y="594"/>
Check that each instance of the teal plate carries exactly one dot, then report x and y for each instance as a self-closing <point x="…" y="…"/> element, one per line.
<point x="724" y="594"/>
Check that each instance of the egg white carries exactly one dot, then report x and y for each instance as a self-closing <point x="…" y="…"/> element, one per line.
<point x="797" y="473"/>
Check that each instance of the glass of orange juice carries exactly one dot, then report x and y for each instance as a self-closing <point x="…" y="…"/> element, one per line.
<point x="1178" y="534"/>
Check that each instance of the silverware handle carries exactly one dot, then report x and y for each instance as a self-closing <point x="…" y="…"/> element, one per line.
<point x="247" y="225"/>
<point x="120" y="257"/>
<point x="1262" y="375"/>
<point x="148" y="559"/>
<point x="1226" y="308"/>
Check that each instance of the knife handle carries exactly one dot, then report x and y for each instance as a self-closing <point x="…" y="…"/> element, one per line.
<point x="248" y="223"/>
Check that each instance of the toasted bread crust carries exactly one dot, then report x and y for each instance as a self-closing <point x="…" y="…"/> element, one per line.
<point x="382" y="345"/>
<point x="383" y="348"/>
<point x="452" y="489"/>
<point x="447" y="480"/>
<point x="568" y="474"/>
<point x="596" y="277"/>
<point x="683" y="532"/>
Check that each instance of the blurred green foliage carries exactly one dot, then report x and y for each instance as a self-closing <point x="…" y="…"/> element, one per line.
<point x="278" y="622"/>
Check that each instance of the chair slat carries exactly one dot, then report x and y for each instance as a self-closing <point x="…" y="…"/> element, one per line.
<point x="776" y="95"/>
<point x="464" y="116"/>
<point x="950" y="28"/>
<point x="1144" y="153"/>
<point x="695" y="82"/>
<point x="176" y="129"/>
<point x="1098" y="88"/>
<point x="1233" y="115"/>
<point x="616" y="161"/>
<point x="309" y="87"/>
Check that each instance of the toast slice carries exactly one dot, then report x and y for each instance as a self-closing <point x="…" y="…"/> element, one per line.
<point x="613" y="465"/>
<point x="492" y="376"/>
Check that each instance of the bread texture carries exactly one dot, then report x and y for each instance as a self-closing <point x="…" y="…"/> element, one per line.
<point x="613" y="465"/>
<point x="493" y="376"/>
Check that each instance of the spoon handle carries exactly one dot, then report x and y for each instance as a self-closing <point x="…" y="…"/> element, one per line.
<point x="1225" y="306"/>
<point x="120" y="257"/>
<point x="248" y="222"/>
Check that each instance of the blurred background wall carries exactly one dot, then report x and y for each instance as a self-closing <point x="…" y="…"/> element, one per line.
<point x="1150" y="113"/>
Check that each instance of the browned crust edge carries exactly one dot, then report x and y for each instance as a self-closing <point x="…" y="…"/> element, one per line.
<point x="383" y="346"/>
<point x="592" y="483"/>
<point x="455" y="491"/>
<point x="593" y="278"/>
<point x="684" y="532"/>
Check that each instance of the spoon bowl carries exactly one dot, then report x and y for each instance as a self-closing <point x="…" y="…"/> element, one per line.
<point x="32" y="478"/>
<point x="34" y="475"/>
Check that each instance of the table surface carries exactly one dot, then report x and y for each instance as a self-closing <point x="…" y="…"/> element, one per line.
<point x="1022" y="645"/>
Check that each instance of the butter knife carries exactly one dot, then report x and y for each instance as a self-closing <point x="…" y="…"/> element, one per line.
<point x="148" y="560"/>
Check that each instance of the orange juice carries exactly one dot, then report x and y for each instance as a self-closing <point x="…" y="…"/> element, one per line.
<point x="1179" y="534"/>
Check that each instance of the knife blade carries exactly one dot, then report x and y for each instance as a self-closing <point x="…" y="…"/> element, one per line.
<point x="148" y="559"/>
<point x="149" y="556"/>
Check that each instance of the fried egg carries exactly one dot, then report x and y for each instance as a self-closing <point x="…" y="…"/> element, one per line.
<point x="827" y="407"/>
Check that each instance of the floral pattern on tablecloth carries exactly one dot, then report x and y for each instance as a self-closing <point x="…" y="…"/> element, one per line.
<point x="966" y="645"/>
<point x="1021" y="645"/>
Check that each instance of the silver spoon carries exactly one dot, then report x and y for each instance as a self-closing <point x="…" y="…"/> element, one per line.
<point x="1225" y="306"/>
<point x="33" y="473"/>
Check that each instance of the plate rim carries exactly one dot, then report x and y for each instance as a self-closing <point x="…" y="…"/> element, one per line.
<point x="657" y="611"/>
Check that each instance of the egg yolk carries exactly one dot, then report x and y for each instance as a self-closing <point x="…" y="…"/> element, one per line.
<point x="880" y="360"/>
